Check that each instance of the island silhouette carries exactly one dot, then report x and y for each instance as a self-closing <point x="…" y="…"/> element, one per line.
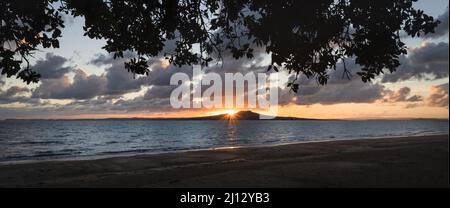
<point x="240" y="115"/>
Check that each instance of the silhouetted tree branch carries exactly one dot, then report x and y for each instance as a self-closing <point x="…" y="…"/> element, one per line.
<point x="304" y="37"/>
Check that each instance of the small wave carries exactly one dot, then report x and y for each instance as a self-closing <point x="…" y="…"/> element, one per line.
<point x="41" y="142"/>
<point x="17" y="157"/>
<point x="62" y="135"/>
<point x="50" y="153"/>
<point x="127" y="151"/>
<point x="43" y="155"/>
<point x="137" y="135"/>
<point x="271" y="141"/>
<point x="147" y="150"/>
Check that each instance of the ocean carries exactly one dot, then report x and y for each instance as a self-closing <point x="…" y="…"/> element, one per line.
<point x="38" y="140"/>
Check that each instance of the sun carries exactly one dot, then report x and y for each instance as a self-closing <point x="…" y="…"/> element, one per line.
<point x="231" y="113"/>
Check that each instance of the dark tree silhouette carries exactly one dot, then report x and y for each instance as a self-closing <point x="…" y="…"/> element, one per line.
<point x="305" y="37"/>
<point x="25" y="25"/>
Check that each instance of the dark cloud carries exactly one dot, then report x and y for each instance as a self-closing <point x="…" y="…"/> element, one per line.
<point x="343" y="89"/>
<point x="426" y="62"/>
<point x="120" y="81"/>
<point x="15" y="94"/>
<point x="5" y="99"/>
<point x="106" y="59"/>
<point x="100" y="104"/>
<point x="101" y="59"/>
<point x="143" y="105"/>
<point x="16" y="90"/>
<point x="350" y="92"/>
<point x="161" y="73"/>
<point x="442" y="28"/>
<point x="104" y="93"/>
<point x="401" y="95"/>
<point x="157" y="97"/>
<point x="52" y="67"/>
<point x="339" y="89"/>
<point x="82" y="87"/>
<point x="438" y="96"/>
<point x="115" y="81"/>
<point x="6" y="113"/>
<point x="159" y="92"/>
<point x="414" y="98"/>
<point x="2" y="81"/>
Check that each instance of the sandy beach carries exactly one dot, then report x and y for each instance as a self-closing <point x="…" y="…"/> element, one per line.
<point x="388" y="162"/>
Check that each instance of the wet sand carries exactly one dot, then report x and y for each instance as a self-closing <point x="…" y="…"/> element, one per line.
<point x="388" y="162"/>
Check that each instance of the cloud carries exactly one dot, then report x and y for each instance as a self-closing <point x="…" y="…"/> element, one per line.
<point x="159" y="92"/>
<point x="339" y="89"/>
<point x="115" y="81"/>
<point x="353" y="91"/>
<point x="2" y="81"/>
<point x="161" y="73"/>
<point x="442" y="28"/>
<point x="52" y="67"/>
<point x="438" y="96"/>
<point x="120" y="81"/>
<point x="140" y="105"/>
<point x="350" y="92"/>
<point x="157" y="96"/>
<point x="106" y="59"/>
<point x="97" y="94"/>
<point x="16" y="94"/>
<point x="414" y="98"/>
<point x="401" y="95"/>
<point x="427" y="62"/>
<point x="16" y="90"/>
<point x="82" y="87"/>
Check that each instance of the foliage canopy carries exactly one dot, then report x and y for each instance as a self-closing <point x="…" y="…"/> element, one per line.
<point x="305" y="37"/>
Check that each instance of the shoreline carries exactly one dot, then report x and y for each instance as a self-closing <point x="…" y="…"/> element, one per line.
<point x="420" y="161"/>
<point x="120" y="155"/>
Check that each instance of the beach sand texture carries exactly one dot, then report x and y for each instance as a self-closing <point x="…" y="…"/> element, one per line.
<point x="388" y="162"/>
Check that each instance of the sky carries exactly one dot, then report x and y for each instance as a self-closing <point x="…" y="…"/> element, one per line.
<point x="80" y="80"/>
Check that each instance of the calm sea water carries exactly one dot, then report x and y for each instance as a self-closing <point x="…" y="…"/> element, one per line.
<point x="22" y="140"/>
